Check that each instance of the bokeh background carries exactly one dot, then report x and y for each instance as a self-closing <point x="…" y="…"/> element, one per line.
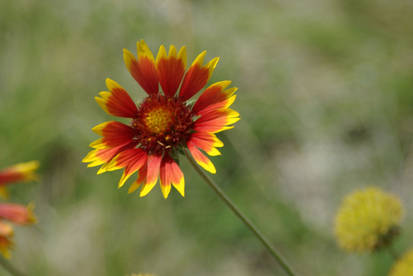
<point x="326" y="100"/>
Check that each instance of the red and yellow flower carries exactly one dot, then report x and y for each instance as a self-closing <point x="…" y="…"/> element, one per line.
<point x="6" y="242"/>
<point x="16" y="173"/>
<point x="17" y="214"/>
<point x="165" y="122"/>
<point x="11" y="212"/>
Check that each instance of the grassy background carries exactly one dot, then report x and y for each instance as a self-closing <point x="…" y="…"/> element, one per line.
<point x="326" y="100"/>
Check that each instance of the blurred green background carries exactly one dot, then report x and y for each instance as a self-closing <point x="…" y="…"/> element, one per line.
<point x="326" y="100"/>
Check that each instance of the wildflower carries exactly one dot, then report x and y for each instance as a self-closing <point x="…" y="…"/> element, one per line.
<point x="17" y="213"/>
<point x="165" y="122"/>
<point x="11" y="212"/>
<point x="367" y="220"/>
<point x="6" y="243"/>
<point x="16" y="173"/>
<point x="404" y="266"/>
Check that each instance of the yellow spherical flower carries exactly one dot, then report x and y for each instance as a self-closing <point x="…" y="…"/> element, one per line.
<point x="367" y="220"/>
<point x="404" y="266"/>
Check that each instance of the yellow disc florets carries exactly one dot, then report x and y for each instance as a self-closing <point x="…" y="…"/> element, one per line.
<point x="158" y="120"/>
<point x="367" y="220"/>
<point x="404" y="266"/>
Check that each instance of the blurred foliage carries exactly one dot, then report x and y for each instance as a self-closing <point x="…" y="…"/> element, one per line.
<point x="326" y="100"/>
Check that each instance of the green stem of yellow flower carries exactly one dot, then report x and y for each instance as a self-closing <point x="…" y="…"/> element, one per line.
<point x="277" y="256"/>
<point x="10" y="268"/>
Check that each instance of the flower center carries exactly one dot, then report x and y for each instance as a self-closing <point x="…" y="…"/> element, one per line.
<point x="158" y="120"/>
<point x="163" y="124"/>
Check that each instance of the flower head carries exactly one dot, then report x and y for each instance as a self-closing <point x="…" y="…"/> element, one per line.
<point x="19" y="172"/>
<point x="404" y="266"/>
<point x="17" y="214"/>
<point x="11" y="212"/>
<point x="6" y="235"/>
<point x="165" y="123"/>
<point x="367" y="220"/>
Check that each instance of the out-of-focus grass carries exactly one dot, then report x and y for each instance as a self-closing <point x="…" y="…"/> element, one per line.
<point x="326" y="100"/>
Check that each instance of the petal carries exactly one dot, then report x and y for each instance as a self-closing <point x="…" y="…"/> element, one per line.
<point x="178" y="180"/>
<point x="132" y="160"/>
<point x="139" y="181"/>
<point x="197" y="76"/>
<point x="200" y="158"/>
<point x="212" y="128"/>
<point x="98" y="157"/>
<point x="170" y="173"/>
<point x="215" y="97"/>
<point x="209" y="137"/>
<point x="153" y="166"/>
<point x="117" y="102"/>
<point x="124" y="158"/>
<point x="17" y="213"/>
<point x="135" y="185"/>
<point x="98" y="144"/>
<point x="143" y="50"/>
<point x="171" y="69"/>
<point x="143" y="69"/>
<point x="6" y="229"/>
<point x="19" y="172"/>
<point x="114" y="134"/>
<point x="216" y="121"/>
<point x="6" y="244"/>
<point x="206" y="143"/>
<point x="218" y="114"/>
<point x="165" y="178"/>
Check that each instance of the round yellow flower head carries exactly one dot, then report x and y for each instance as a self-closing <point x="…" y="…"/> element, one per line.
<point x="404" y="266"/>
<point x="367" y="220"/>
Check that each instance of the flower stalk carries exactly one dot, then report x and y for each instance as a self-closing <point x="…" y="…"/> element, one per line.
<point x="277" y="256"/>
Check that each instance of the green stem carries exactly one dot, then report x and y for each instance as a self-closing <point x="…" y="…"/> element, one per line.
<point x="10" y="268"/>
<point x="277" y="256"/>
